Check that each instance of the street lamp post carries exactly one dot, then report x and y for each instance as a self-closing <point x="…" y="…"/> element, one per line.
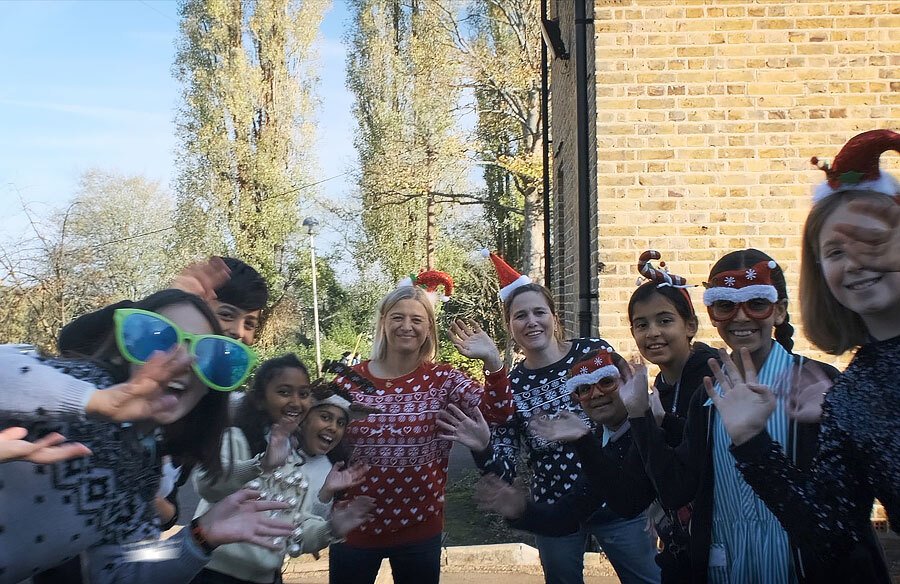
<point x="311" y="223"/>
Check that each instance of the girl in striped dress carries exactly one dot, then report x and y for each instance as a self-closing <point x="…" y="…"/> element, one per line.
<point x="735" y="538"/>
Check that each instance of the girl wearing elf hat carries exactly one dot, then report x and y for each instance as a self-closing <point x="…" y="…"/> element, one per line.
<point x="539" y="387"/>
<point x="850" y="300"/>
<point x="734" y="538"/>
<point x="408" y="458"/>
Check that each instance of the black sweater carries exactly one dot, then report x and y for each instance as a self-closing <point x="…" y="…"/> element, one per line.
<point x="614" y="475"/>
<point x="828" y="507"/>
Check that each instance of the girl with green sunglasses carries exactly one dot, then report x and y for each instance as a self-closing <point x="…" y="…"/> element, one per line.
<point x="103" y="504"/>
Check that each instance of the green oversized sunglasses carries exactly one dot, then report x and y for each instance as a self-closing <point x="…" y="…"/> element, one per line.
<point x="221" y="363"/>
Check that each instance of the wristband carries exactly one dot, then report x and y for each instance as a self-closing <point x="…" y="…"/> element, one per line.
<point x="199" y="536"/>
<point x="489" y="373"/>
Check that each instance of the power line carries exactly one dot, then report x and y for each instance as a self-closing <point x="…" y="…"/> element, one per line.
<point x="163" y="14"/>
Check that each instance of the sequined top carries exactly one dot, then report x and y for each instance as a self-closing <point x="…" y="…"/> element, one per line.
<point x="858" y="460"/>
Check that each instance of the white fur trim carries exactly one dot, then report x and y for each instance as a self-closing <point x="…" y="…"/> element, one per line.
<point x="508" y="289"/>
<point x="886" y="185"/>
<point x="340" y="403"/>
<point x="740" y="294"/>
<point x="405" y="282"/>
<point x="592" y="377"/>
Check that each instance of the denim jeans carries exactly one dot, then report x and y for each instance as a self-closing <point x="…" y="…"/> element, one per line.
<point x="626" y="542"/>
<point x="414" y="563"/>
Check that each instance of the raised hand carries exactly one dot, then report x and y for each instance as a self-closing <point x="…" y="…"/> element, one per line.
<point x="346" y="518"/>
<point x="342" y="477"/>
<point x="46" y="450"/>
<point x="239" y="517"/>
<point x="635" y="391"/>
<point x="745" y="405"/>
<point x="874" y="248"/>
<point x="494" y="494"/>
<point x="202" y="278"/>
<point x="280" y="443"/>
<point x="566" y="427"/>
<point x="470" y="430"/>
<point x="142" y="397"/>
<point x="472" y="342"/>
<point x="810" y="384"/>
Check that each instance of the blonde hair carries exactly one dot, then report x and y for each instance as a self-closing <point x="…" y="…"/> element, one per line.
<point x="429" y="348"/>
<point x="828" y="324"/>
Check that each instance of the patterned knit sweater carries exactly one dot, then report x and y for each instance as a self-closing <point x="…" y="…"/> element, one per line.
<point x="51" y="513"/>
<point x="858" y="459"/>
<point x="538" y="391"/>
<point x="408" y="460"/>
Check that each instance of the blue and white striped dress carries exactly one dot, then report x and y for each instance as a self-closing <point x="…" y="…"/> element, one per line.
<point x="748" y="544"/>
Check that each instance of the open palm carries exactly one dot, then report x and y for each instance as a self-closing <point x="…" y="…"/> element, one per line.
<point x="472" y="342"/>
<point x="876" y="248"/>
<point x="745" y="405"/>
<point x="342" y="477"/>
<point x="565" y="427"/>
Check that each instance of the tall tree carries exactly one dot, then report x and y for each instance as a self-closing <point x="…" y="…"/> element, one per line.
<point x="109" y="243"/>
<point x="404" y="75"/>
<point x="245" y="68"/>
<point x="500" y="43"/>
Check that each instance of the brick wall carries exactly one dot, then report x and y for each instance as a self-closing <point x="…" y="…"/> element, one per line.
<point x="708" y="112"/>
<point x="565" y="265"/>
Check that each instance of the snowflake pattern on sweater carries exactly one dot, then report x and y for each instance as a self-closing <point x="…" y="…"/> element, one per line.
<point x="408" y="460"/>
<point x="106" y="498"/>
<point x="555" y="466"/>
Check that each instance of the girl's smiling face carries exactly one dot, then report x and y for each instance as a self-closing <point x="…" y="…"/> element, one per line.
<point x="662" y="335"/>
<point x="754" y="334"/>
<point x="287" y="394"/>
<point x="323" y="429"/>
<point x="874" y="296"/>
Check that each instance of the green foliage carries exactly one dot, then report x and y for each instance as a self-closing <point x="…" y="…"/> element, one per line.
<point x="244" y="65"/>
<point x="103" y="247"/>
<point x="404" y="82"/>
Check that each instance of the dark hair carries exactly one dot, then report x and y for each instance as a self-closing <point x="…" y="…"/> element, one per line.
<point x="677" y="296"/>
<point x="245" y="287"/>
<point x="197" y="437"/>
<point x="559" y="333"/>
<point x="746" y="258"/>
<point x="251" y="416"/>
<point x="830" y="325"/>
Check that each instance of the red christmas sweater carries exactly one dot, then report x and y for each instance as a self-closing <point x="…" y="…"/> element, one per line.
<point x="408" y="461"/>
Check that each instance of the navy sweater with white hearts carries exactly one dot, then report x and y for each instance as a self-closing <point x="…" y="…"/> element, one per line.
<point x="537" y="391"/>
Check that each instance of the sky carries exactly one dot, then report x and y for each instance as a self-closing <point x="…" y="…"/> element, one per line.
<point x="89" y="85"/>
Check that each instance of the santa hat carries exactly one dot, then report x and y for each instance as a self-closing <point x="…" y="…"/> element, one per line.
<point x="592" y="369"/>
<point x="509" y="278"/>
<point x="430" y="280"/>
<point x="742" y="285"/>
<point x="855" y="168"/>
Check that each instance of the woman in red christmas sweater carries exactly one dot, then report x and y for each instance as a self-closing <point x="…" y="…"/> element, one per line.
<point x="408" y="460"/>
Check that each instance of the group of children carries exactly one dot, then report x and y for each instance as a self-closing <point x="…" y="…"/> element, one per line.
<point x="752" y="464"/>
